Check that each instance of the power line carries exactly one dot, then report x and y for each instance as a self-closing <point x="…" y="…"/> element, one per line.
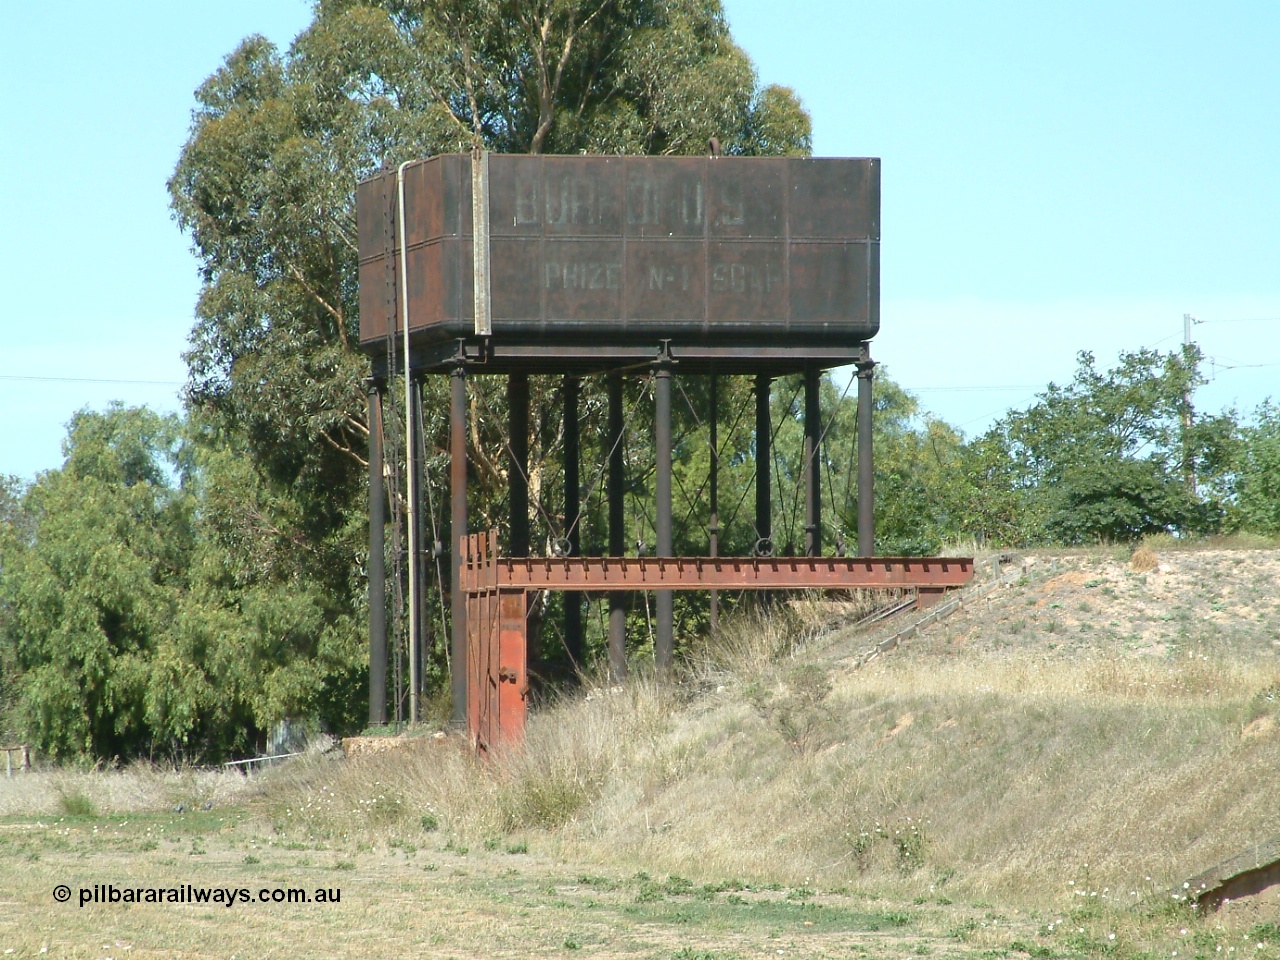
<point x="1240" y="320"/>
<point x="38" y="379"/>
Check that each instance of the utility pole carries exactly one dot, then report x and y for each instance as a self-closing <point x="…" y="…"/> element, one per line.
<point x="1188" y="460"/>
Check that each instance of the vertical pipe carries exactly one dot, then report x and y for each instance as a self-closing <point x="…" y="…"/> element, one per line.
<point x="417" y="570"/>
<point x="617" y="528"/>
<point x="812" y="463"/>
<point x="377" y="563"/>
<point x="518" y="464"/>
<point x="573" y="639"/>
<point x="764" y="457"/>
<point x="866" y="466"/>
<point x="457" y="533"/>
<point x="664" y="641"/>
<point x="713" y="484"/>
<point x="411" y="492"/>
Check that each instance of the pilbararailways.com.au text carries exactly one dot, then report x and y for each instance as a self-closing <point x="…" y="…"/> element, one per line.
<point x="186" y="893"/>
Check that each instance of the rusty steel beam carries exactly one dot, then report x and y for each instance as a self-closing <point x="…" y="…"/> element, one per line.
<point x="723" y="573"/>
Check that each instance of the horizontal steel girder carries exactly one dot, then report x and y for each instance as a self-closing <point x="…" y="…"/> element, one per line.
<point x="717" y="573"/>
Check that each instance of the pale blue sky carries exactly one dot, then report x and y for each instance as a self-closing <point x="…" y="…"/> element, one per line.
<point x="1057" y="176"/>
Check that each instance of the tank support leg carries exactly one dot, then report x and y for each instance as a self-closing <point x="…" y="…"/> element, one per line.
<point x="377" y="563"/>
<point x="573" y="639"/>
<point x="617" y="529"/>
<point x="812" y="463"/>
<point x="866" y="465"/>
<point x="664" y="640"/>
<point x="457" y="537"/>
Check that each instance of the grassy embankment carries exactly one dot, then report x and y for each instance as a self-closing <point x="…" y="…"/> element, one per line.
<point x="1034" y="774"/>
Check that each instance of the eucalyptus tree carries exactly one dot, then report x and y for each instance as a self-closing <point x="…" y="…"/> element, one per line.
<point x="264" y="187"/>
<point x="1117" y="454"/>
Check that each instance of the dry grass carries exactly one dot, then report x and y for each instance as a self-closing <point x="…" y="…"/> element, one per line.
<point x="139" y="788"/>
<point x="982" y="759"/>
<point x="1074" y="744"/>
<point x="1144" y="560"/>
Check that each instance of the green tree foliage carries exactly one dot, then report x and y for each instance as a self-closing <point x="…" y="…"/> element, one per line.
<point x="1114" y="455"/>
<point x="91" y="584"/>
<point x="1257" y="474"/>
<point x="141" y="606"/>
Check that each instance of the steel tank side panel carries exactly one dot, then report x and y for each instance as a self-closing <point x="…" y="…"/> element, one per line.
<point x="665" y="198"/>
<point x="748" y="282"/>
<point x="582" y="280"/>
<point x="746" y="197"/>
<point x="377" y="285"/>
<point x="665" y="279"/>
<point x="831" y="284"/>
<point x="516" y="277"/>
<point x="369" y="214"/>
<point x="568" y="196"/>
<point x="376" y="314"/>
<point x="609" y="247"/>
<point x="425" y="201"/>
<point x="834" y="199"/>
<point x="427" y="289"/>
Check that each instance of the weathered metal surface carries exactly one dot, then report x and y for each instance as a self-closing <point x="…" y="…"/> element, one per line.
<point x="631" y="248"/>
<point x="497" y="590"/>
<point x="724" y="573"/>
<point x="497" y="672"/>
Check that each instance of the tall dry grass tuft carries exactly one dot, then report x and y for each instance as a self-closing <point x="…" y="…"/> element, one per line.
<point x="571" y="755"/>
<point x="1144" y="560"/>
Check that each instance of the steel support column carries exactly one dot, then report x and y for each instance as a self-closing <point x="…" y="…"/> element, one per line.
<point x="457" y="535"/>
<point x="713" y="484"/>
<point x="377" y="563"/>
<point x="617" y="528"/>
<point x="866" y="465"/>
<point x="812" y="463"/>
<point x="518" y="461"/>
<point x="664" y="639"/>
<point x="573" y="639"/>
<point x="764" y="458"/>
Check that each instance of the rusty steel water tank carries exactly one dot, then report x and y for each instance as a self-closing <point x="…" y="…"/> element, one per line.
<point x="625" y="250"/>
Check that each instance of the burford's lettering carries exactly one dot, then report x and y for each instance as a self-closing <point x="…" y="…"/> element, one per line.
<point x="732" y="209"/>
<point x="745" y="277"/>
<point x="564" y="202"/>
<point x="647" y="200"/>
<point x="583" y="275"/>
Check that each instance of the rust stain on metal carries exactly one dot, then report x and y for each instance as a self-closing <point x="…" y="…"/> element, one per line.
<point x="710" y="573"/>
<point x="497" y="590"/>
<point x="638" y="247"/>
